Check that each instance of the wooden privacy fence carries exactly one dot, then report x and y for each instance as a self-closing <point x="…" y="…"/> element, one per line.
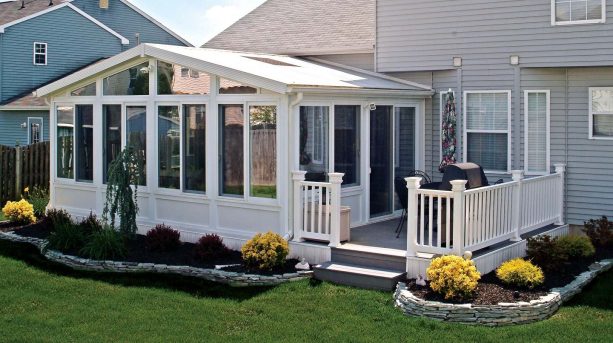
<point x="22" y="167"/>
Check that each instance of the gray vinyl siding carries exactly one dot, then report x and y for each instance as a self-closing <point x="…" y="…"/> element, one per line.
<point x="415" y="35"/>
<point x="11" y="131"/>
<point x="127" y="22"/>
<point x="362" y="61"/>
<point x="68" y="49"/>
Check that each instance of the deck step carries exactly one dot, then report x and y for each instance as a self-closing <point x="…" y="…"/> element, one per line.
<point x="374" y="258"/>
<point x="358" y="276"/>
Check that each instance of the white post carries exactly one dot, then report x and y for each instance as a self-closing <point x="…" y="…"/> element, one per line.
<point x="336" y="179"/>
<point x="297" y="177"/>
<point x="560" y="169"/>
<point x="458" y="187"/>
<point x="518" y="176"/>
<point x="413" y="184"/>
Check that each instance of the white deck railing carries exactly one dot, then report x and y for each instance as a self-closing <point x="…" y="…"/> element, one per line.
<point x="317" y="208"/>
<point x="452" y="222"/>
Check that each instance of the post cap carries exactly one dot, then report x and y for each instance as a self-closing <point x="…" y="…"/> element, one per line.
<point x="336" y="177"/>
<point x="458" y="185"/>
<point x="413" y="182"/>
<point x="517" y="175"/>
<point x="559" y="167"/>
<point x="298" y="175"/>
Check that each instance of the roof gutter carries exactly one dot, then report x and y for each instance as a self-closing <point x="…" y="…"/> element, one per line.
<point x="362" y="91"/>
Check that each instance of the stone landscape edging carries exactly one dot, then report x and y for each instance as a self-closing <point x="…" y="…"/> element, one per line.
<point x="503" y="313"/>
<point x="234" y="279"/>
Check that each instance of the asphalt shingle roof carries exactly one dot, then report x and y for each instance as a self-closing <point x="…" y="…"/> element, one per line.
<point x="11" y="10"/>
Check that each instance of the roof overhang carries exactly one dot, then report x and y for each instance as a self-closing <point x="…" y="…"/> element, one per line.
<point x="391" y="93"/>
<point x="24" y="108"/>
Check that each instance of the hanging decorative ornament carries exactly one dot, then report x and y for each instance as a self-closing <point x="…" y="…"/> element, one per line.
<point x="448" y="132"/>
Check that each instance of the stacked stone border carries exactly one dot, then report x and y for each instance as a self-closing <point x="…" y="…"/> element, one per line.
<point x="233" y="279"/>
<point x="503" y="313"/>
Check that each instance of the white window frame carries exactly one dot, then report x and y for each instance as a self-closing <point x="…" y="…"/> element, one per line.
<point x="39" y="54"/>
<point x="591" y="113"/>
<point x="507" y="131"/>
<point x="602" y="20"/>
<point x="548" y="133"/>
<point x="42" y="124"/>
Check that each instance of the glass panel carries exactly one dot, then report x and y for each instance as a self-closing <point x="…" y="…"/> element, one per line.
<point x="232" y="121"/>
<point x="314" y="142"/>
<point x="194" y="147"/>
<point x="563" y="10"/>
<point x="537" y="132"/>
<point x="136" y="136"/>
<point x="85" y="140"/>
<point x="89" y="90"/>
<point x="381" y="145"/>
<point x="488" y="150"/>
<point x="405" y="145"/>
<point x="175" y="79"/>
<point x="169" y="147"/>
<point x="594" y="9"/>
<point x="65" y="132"/>
<point x="232" y="87"/>
<point x="263" y="136"/>
<point x="603" y="125"/>
<point x="347" y="143"/>
<point x="133" y="81"/>
<point x="602" y="100"/>
<point x="112" y="136"/>
<point x="578" y="10"/>
<point x="487" y="111"/>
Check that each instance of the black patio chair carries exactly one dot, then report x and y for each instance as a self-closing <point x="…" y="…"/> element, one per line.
<point x="402" y="192"/>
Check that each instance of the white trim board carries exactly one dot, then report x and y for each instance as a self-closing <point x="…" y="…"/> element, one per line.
<point x="123" y="39"/>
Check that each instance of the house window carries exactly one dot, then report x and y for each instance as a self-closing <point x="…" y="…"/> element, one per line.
<point x="263" y="148"/>
<point x="169" y="147"/>
<point x="536" y="132"/>
<point x="111" y="115"/>
<point x="231" y="143"/>
<point x="565" y="12"/>
<point x="132" y="81"/>
<point x="487" y="117"/>
<point x="65" y="134"/>
<point x="35" y="127"/>
<point x="194" y="148"/>
<point x="601" y="113"/>
<point x="40" y="54"/>
<point x="314" y="141"/>
<point x="136" y="137"/>
<point x="347" y="143"/>
<point x="84" y="118"/>
<point x="176" y="80"/>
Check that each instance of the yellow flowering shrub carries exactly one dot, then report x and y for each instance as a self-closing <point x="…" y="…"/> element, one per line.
<point x="453" y="277"/>
<point x="21" y="212"/>
<point x="265" y="251"/>
<point x="521" y="273"/>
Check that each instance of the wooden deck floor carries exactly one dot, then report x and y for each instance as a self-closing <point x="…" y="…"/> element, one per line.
<point x="380" y="235"/>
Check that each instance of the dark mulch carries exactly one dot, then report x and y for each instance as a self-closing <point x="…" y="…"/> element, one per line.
<point x="492" y="291"/>
<point x="288" y="267"/>
<point x="40" y="229"/>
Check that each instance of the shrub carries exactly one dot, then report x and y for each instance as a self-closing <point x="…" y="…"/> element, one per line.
<point x="453" y="277"/>
<point x="66" y="237"/>
<point x="121" y="199"/>
<point x="546" y="253"/>
<point x="521" y="273"/>
<point x="162" y="238"/>
<point x="576" y="246"/>
<point x="39" y="198"/>
<point x="210" y="247"/>
<point x="91" y="224"/>
<point x="265" y="251"/>
<point x="19" y="212"/>
<point x="600" y="232"/>
<point x="106" y="244"/>
<point x="58" y="217"/>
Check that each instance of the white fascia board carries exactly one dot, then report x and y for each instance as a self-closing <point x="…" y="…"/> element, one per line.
<point x="150" y="18"/>
<point x="362" y="91"/>
<point x="31" y="16"/>
<point x="24" y="108"/>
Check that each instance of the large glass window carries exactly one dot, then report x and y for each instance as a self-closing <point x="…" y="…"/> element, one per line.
<point x="89" y="90"/>
<point x="111" y="136"/>
<point x="136" y="137"/>
<point x="487" y="129"/>
<point x="132" y="81"/>
<point x="536" y="132"/>
<point x="314" y="142"/>
<point x="263" y="143"/>
<point x="194" y="148"/>
<point x="347" y="143"/>
<point x="65" y="134"/>
<point x="232" y="87"/>
<point x="231" y="119"/>
<point x="175" y="79"/>
<point x="85" y="141"/>
<point x="579" y="11"/>
<point x="601" y="113"/>
<point x="169" y="147"/>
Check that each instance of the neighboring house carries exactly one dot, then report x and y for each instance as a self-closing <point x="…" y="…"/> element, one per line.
<point x="42" y="40"/>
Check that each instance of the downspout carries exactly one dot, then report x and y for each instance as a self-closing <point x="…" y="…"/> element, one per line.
<point x="289" y="235"/>
<point x="566" y="112"/>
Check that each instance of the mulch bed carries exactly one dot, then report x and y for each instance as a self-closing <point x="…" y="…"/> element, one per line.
<point x="491" y="291"/>
<point x="288" y="267"/>
<point x="40" y="229"/>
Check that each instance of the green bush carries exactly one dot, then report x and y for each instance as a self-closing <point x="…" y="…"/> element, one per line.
<point x="576" y="246"/>
<point x="106" y="244"/>
<point x="521" y="273"/>
<point x="58" y="217"/>
<point x="546" y="253"/>
<point x="600" y="232"/>
<point x="39" y="198"/>
<point x="91" y="224"/>
<point x="265" y="251"/>
<point x="66" y="236"/>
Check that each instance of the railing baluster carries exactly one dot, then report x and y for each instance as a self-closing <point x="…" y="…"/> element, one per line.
<point x="328" y="213"/>
<point x="448" y="222"/>
<point x="422" y="238"/>
<point x="305" y="206"/>
<point x="430" y="219"/>
<point x="439" y="216"/>
<point x="321" y="210"/>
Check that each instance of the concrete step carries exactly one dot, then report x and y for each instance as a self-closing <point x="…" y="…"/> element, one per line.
<point x="358" y="276"/>
<point x="377" y="258"/>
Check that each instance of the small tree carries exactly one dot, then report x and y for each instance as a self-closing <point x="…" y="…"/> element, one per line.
<point x="123" y="174"/>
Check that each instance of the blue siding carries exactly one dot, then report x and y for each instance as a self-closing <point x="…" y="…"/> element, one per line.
<point x="11" y="131"/>
<point x="127" y="22"/>
<point x="73" y="41"/>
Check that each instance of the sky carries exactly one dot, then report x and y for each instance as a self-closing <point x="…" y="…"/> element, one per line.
<point x="197" y="20"/>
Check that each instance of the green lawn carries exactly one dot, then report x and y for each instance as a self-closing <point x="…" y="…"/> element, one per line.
<point x="43" y="302"/>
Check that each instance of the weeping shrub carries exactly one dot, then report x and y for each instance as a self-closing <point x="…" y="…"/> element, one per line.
<point x="121" y="199"/>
